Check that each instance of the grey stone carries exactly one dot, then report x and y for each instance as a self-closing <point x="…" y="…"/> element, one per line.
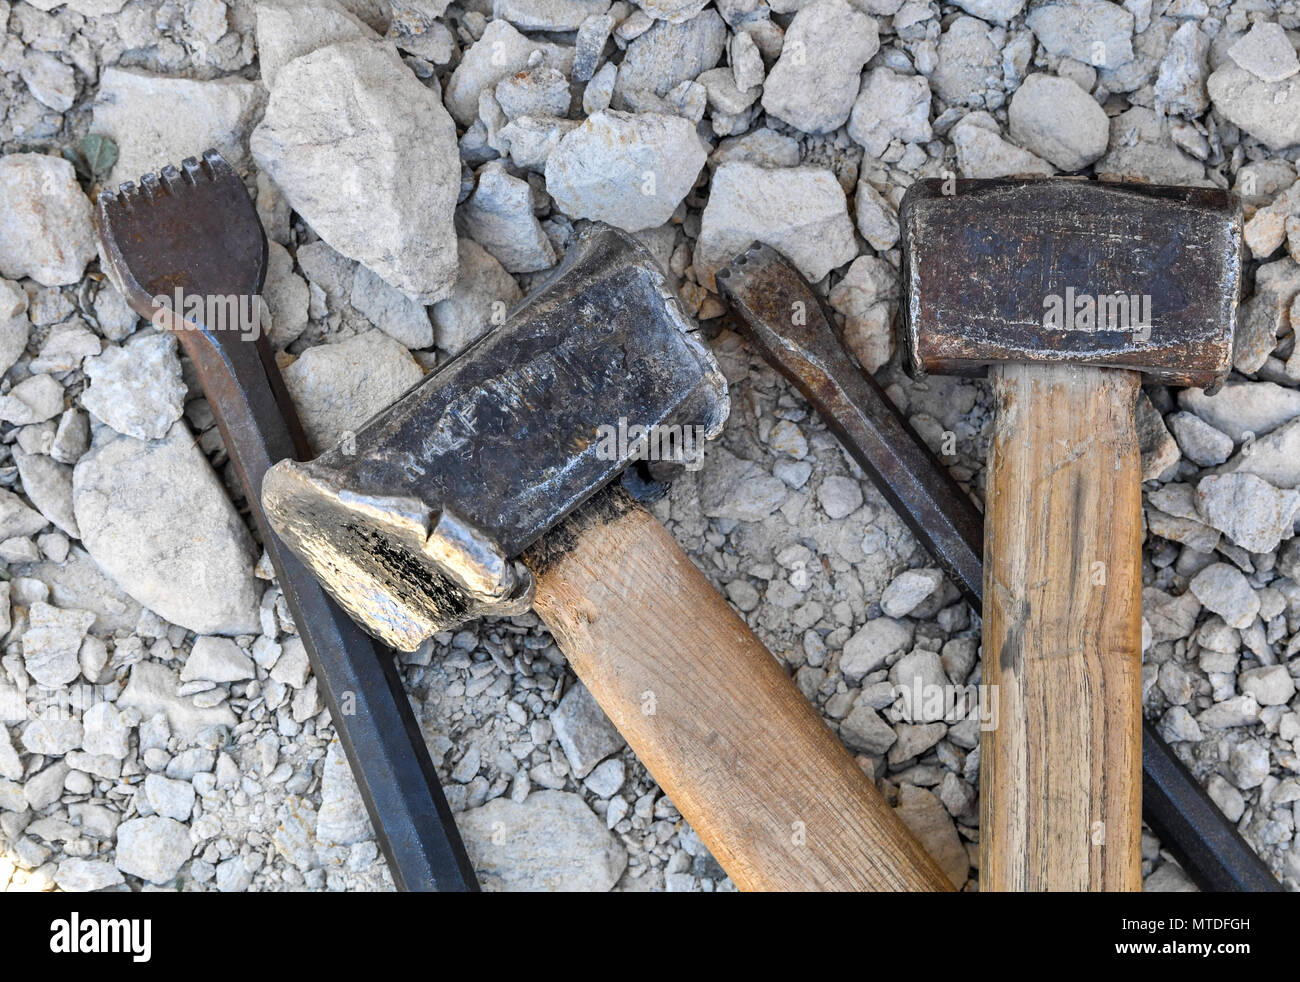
<point x="865" y="732"/>
<point x="53" y="83"/>
<point x="799" y="211"/>
<point x="1265" y="110"/>
<point x="1094" y="32"/>
<point x="869" y="648"/>
<point x="107" y="730"/>
<point x="499" y="217"/>
<point x="286" y="296"/>
<point x="669" y="54"/>
<point x="380" y="190"/>
<point x="839" y="496"/>
<point x="1248" y="761"/>
<point x="982" y="153"/>
<point x="84" y="875"/>
<point x="584" y="731"/>
<point x="1251" y="512"/>
<point x="500" y="52"/>
<point x="1237" y="711"/>
<point x="483" y="294"/>
<point x="135" y="501"/>
<point x="1243" y="409"/>
<point x="908" y="589"/>
<point x="1223" y="589"/>
<point x="49" y="485"/>
<point x="52" y="737"/>
<point x="629" y="170"/>
<point x="137" y="388"/>
<point x="217" y="660"/>
<point x="1142" y="150"/>
<point x="153" y="688"/>
<point x="1265" y="315"/>
<point x="153" y="848"/>
<point x="288" y="29"/>
<point x="968" y="64"/>
<point x="168" y="798"/>
<point x="814" y="83"/>
<point x="1266" y="52"/>
<point x="1180" y="84"/>
<point x="866" y="297"/>
<point x="45" y="223"/>
<point x="1227" y="797"/>
<point x="1058" y="121"/>
<point x="548" y="15"/>
<point x="51" y="642"/>
<point x="1271" y="685"/>
<point x="1200" y="442"/>
<point x="891" y="107"/>
<point x="33" y="400"/>
<point x="393" y="312"/>
<point x="338" y="387"/>
<point x="606" y="778"/>
<point x="138" y="111"/>
<point x="550" y="842"/>
<point x="735" y="488"/>
<point x="929" y="821"/>
<point x="342" y="818"/>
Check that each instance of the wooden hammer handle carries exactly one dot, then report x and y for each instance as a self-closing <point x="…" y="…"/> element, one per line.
<point x="742" y="755"/>
<point x="1061" y="772"/>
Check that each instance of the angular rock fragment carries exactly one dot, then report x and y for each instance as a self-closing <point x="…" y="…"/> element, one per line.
<point x="814" y="83"/>
<point x="1265" y="110"/>
<point x="669" y="54"/>
<point x="367" y="155"/>
<point x="1266" y="52"/>
<point x="483" y="295"/>
<point x="45" y="226"/>
<point x="156" y="518"/>
<point x="137" y="388"/>
<point x="630" y="170"/>
<point x="499" y="53"/>
<point x="138" y="110"/>
<point x="288" y="29"/>
<point x="552" y="841"/>
<point x="499" y="217"/>
<point x="799" y="211"/>
<point x="1058" y="121"/>
<point x="891" y="107"/>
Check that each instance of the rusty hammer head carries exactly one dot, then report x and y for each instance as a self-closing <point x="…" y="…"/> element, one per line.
<point x="1133" y="276"/>
<point x="414" y="526"/>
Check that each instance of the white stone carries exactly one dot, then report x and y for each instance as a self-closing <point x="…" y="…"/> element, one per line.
<point x="157" y="519"/>
<point x="799" y="211"/>
<point x="368" y="156"/>
<point x="217" y="660"/>
<point x="84" y="875"/>
<point x="153" y="848"/>
<point x="1224" y="590"/>
<point x="45" y="222"/>
<point x="814" y="83"/>
<point x="51" y="642"/>
<point x="1180" y="84"/>
<point x="669" y="54"/>
<point x="483" y="294"/>
<point x="142" y="114"/>
<point x="288" y="29"/>
<point x="137" y="388"/>
<point x="908" y="589"/>
<point x="865" y="297"/>
<point x="1058" y="121"/>
<point x="629" y="170"/>
<point x="53" y="83"/>
<point x="867" y="650"/>
<point x="1268" y="111"/>
<point x="891" y="107"/>
<point x="500" y="52"/>
<point x="1249" y="511"/>
<point x="342" y="819"/>
<point x="982" y="153"/>
<point x="337" y="387"/>
<point x="1095" y="32"/>
<point x="1266" y="52"/>
<point x="550" y="842"/>
<point x="499" y="217"/>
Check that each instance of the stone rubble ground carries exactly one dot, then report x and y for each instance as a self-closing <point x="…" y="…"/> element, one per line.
<point x="418" y="164"/>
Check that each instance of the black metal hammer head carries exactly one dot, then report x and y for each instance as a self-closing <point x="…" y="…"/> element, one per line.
<point x="413" y="529"/>
<point x="1133" y="276"/>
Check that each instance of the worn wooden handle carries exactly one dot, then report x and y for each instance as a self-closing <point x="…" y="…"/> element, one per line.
<point x="747" y="761"/>
<point x="1061" y="772"/>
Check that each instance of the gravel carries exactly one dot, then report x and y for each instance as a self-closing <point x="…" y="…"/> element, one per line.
<point x="418" y="169"/>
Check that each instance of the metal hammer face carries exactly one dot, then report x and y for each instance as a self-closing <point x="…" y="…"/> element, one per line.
<point x="415" y="528"/>
<point x="1133" y="276"/>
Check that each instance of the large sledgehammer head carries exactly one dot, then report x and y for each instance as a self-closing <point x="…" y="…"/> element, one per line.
<point x="414" y="526"/>
<point x="1133" y="276"/>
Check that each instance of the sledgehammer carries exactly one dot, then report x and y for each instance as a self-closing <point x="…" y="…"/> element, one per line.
<point x="1064" y="291"/>
<point x="506" y="452"/>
